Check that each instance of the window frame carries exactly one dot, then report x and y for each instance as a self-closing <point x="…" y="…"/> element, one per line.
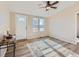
<point x="42" y="25"/>
<point x="38" y="28"/>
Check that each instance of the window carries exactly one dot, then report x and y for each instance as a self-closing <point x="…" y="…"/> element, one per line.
<point x="41" y="24"/>
<point x="35" y="24"/>
<point x="38" y="24"/>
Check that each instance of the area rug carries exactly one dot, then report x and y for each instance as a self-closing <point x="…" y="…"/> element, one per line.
<point x="49" y="48"/>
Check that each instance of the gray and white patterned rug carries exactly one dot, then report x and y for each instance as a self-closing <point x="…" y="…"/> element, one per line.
<point x="49" y="48"/>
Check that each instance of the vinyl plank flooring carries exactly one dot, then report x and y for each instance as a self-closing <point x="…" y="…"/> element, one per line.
<point x="23" y="51"/>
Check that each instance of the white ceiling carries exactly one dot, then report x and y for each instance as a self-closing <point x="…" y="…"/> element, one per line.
<point x="33" y="8"/>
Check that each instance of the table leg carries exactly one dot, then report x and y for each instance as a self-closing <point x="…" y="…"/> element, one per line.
<point x="14" y="47"/>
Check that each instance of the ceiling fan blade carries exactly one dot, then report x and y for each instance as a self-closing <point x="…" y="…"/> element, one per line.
<point x="55" y="2"/>
<point x="54" y="7"/>
<point x="48" y="2"/>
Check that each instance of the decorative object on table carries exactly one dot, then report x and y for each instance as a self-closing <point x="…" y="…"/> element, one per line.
<point x="9" y="36"/>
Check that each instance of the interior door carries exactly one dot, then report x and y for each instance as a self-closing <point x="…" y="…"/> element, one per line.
<point x="20" y="26"/>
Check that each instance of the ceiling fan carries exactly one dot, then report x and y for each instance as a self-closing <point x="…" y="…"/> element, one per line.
<point x="49" y="5"/>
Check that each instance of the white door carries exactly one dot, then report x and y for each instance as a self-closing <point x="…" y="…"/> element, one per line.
<point x="20" y="26"/>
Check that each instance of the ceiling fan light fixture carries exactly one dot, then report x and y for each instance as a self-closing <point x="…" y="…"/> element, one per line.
<point x="48" y="8"/>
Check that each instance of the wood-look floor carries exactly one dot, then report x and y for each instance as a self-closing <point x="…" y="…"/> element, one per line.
<point x="23" y="51"/>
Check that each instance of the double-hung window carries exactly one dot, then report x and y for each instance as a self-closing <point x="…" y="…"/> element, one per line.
<point x="35" y="24"/>
<point x="38" y="24"/>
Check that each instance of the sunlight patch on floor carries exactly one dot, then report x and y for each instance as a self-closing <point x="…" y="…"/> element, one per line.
<point x="49" y="48"/>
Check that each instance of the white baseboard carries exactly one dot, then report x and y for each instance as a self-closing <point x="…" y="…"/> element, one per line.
<point x="66" y="40"/>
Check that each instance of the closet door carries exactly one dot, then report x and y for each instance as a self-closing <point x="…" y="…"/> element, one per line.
<point x="20" y="26"/>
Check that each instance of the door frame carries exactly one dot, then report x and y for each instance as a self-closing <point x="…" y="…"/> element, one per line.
<point x="77" y="39"/>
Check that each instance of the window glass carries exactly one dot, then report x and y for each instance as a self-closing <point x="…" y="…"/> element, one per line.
<point x="38" y="24"/>
<point x="35" y="24"/>
<point x="41" y="24"/>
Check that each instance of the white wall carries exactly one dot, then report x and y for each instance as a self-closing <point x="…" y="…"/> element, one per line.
<point x="63" y="24"/>
<point x="4" y="19"/>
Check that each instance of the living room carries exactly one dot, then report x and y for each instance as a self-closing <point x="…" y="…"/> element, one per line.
<point x="36" y="25"/>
